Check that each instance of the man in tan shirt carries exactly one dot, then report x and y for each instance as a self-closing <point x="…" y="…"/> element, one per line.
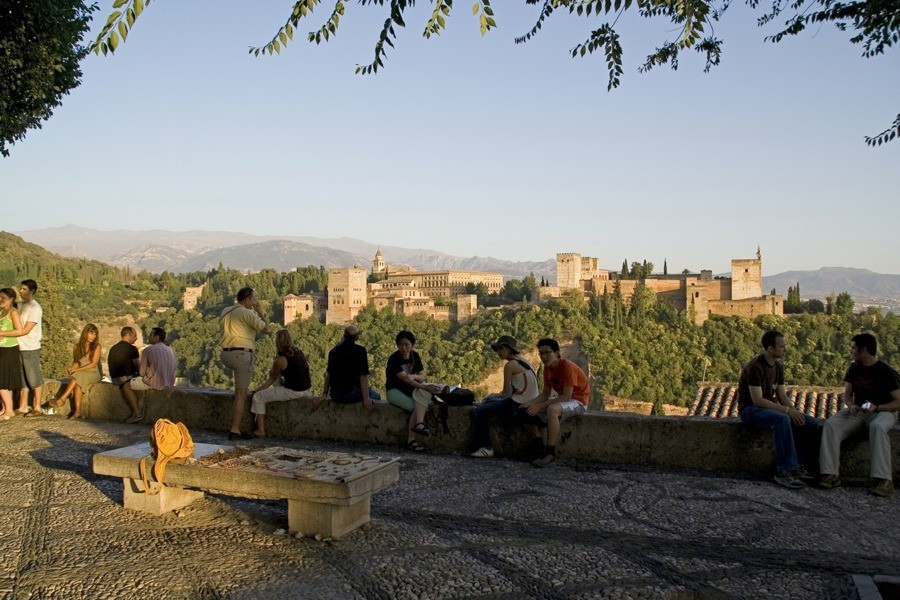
<point x="238" y="326"/>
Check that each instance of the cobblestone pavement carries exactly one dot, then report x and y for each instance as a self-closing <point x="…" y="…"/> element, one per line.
<point x="453" y="527"/>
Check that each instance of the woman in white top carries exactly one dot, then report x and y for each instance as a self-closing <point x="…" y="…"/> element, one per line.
<point x="519" y="386"/>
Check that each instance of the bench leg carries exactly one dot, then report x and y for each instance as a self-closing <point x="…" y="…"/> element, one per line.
<point x="168" y="499"/>
<point x="329" y="520"/>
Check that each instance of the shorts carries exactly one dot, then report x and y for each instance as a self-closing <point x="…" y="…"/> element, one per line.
<point x="31" y="368"/>
<point x="571" y="408"/>
<point x="120" y="381"/>
<point x="241" y="362"/>
<point x="138" y="385"/>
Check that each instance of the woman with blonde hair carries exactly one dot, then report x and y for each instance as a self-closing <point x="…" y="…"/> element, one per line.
<point x="85" y="369"/>
<point x="288" y="380"/>
<point x="10" y="370"/>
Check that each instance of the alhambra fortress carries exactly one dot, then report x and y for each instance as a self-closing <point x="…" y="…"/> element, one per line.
<point x="442" y="294"/>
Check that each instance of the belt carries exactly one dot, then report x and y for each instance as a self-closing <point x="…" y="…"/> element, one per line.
<point x="244" y="349"/>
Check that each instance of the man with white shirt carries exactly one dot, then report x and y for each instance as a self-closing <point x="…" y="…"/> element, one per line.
<point x="30" y="348"/>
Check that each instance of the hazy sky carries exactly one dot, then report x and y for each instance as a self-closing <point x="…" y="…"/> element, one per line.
<point x="476" y="146"/>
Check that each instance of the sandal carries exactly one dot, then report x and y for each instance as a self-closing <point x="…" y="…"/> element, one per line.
<point x="420" y="429"/>
<point x="21" y="412"/>
<point x="58" y="403"/>
<point x="75" y="415"/>
<point x="35" y="413"/>
<point x="414" y="446"/>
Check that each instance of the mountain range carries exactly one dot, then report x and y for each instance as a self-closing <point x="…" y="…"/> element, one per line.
<point x="196" y="250"/>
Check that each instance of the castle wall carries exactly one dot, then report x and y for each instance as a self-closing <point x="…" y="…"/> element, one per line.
<point x="749" y="308"/>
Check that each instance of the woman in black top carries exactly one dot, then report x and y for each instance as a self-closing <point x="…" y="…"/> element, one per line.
<point x="288" y="380"/>
<point x="406" y="387"/>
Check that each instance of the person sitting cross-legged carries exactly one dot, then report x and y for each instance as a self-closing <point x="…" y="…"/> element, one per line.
<point x="288" y="380"/>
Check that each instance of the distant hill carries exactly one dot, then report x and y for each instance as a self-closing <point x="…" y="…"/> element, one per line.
<point x="858" y="282"/>
<point x="280" y="255"/>
<point x="184" y="251"/>
<point x="20" y="259"/>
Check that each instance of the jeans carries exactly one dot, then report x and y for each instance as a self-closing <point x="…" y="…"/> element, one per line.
<point x="353" y="396"/>
<point x="492" y="406"/>
<point x="784" y="431"/>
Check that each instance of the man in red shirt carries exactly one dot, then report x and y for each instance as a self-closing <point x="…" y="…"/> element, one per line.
<point x="566" y="393"/>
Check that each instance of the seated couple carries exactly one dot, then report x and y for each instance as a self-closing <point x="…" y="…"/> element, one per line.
<point x="566" y="393"/>
<point x="152" y="369"/>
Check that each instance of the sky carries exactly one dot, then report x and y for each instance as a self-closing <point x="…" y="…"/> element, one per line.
<point x="474" y="145"/>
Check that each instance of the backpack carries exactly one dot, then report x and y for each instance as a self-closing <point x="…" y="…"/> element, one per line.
<point x="169" y="442"/>
<point x="456" y="396"/>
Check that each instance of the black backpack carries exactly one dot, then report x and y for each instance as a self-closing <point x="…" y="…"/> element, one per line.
<point x="455" y="397"/>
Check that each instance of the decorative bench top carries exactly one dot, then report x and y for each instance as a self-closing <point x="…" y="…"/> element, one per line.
<point x="273" y="472"/>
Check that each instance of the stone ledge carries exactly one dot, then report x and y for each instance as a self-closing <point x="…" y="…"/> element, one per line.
<point x="622" y="438"/>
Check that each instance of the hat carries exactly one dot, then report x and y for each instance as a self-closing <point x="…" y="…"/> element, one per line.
<point x="505" y="340"/>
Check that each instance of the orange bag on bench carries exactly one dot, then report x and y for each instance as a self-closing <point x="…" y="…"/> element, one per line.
<point x="169" y="442"/>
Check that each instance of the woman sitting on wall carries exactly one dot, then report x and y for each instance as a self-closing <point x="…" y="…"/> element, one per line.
<point x="85" y="369"/>
<point x="288" y="380"/>
<point x="10" y="369"/>
<point x="406" y="387"/>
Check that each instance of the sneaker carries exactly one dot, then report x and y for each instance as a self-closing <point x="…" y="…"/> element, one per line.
<point x="830" y="482"/>
<point x="785" y="479"/>
<point x="545" y="461"/>
<point x="133" y="419"/>
<point x="483" y="453"/>
<point x="802" y="474"/>
<point x="883" y="488"/>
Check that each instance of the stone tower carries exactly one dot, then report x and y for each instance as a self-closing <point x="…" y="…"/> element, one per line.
<point x="346" y="294"/>
<point x="466" y="306"/>
<point x="568" y="270"/>
<point x="378" y="264"/>
<point x="746" y="277"/>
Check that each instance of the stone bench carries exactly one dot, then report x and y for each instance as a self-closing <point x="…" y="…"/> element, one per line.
<point x="327" y="493"/>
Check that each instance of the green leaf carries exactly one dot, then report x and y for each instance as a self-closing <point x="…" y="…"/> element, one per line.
<point x="138" y="7"/>
<point x="123" y="30"/>
<point x="475" y="8"/>
<point x="113" y="41"/>
<point x="129" y="16"/>
<point x="113" y="16"/>
<point x="119" y="3"/>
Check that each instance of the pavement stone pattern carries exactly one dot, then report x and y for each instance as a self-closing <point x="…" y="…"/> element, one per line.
<point x="454" y="527"/>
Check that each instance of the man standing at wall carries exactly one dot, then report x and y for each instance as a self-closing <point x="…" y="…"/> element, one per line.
<point x="238" y="326"/>
<point x="763" y="404"/>
<point x="124" y="364"/>
<point x="347" y="373"/>
<point x="872" y="395"/>
<point x="30" y="348"/>
<point x="566" y="393"/>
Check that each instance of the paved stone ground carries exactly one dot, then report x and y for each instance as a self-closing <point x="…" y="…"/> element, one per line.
<point x="454" y="527"/>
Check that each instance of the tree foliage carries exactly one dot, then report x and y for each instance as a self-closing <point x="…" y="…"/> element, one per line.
<point x="875" y="25"/>
<point x="40" y="48"/>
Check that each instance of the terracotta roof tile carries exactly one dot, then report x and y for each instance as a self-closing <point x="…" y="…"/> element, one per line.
<point x="719" y="400"/>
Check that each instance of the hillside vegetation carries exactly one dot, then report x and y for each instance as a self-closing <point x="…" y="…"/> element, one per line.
<point x="643" y="349"/>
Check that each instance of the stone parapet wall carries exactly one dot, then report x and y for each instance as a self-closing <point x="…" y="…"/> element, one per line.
<point x="666" y="442"/>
